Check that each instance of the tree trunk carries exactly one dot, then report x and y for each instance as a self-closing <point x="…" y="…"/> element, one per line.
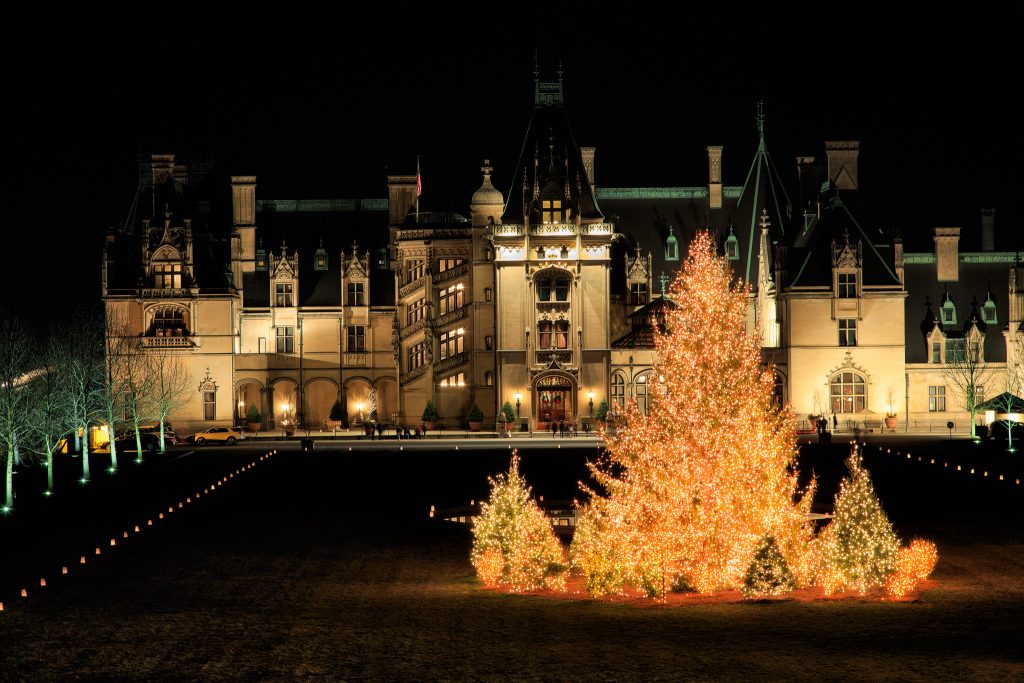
<point x="163" y="446"/>
<point x="49" y="467"/>
<point x="9" y="498"/>
<point x="78" y="441"/>
<point x="974" y="412"/>
<point x="138" y="436"/>
<point x="85" y="453"/>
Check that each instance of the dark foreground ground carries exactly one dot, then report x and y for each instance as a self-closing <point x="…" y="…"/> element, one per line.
<point x="326" y="565"/>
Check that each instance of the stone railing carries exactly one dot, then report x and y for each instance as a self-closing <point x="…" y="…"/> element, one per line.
<point x="553" y="229"/>
<point x="434" y="233"/>
<point x="509" y="231"/>
<point x="412" y="328"/>
<point x="451" y="316"/>
<point x="451" y="273"/>
<point x="410" y="287"/>
<point x="165" y="293"/>
<point x="412" y="375"/>
<point x="597" y="229"/>
<point x="451" y="362"/>
<point x="356" y="359"/>
<point x="563" y="357"/>
<point x="167" y="342"/>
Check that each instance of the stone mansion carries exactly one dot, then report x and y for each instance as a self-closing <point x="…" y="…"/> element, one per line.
<point x="544" y="293"/>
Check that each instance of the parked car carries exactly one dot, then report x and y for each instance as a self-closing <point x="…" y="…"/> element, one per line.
<point x="228" y="435"/>
<point x="126" y="443"/>
<point x="169" y="435"/>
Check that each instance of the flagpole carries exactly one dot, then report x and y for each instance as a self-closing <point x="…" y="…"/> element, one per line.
<point x="418" y="187"/>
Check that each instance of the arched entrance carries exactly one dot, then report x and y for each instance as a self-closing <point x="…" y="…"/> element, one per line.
<point x="285" y="402"/>
<point x="358" y="399"/>
<point x="247" y="394"/>
<point x="321" y="393"/>
<point x="387" y="400"/>
<point x="554" y="397"/>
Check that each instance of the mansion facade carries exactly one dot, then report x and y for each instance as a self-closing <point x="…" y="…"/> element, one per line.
<point x="545" y="295"/>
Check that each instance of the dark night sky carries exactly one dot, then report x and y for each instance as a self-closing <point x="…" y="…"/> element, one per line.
<point x="326" y="106"/>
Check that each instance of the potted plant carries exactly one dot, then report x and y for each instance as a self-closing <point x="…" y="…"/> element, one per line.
<point x="253" y="420"/>
<point x="337" y="416"/>
<point x="601" y="415"/>
<point x="430" y="415"/>
<point x="475" y="418"/>
<point x="890" y="415"/>
<point x="508" y="414"/>
<point x="890" y="420"/>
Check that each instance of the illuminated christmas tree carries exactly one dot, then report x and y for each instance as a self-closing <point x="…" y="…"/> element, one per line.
<point x="691" y="488"/>
<point x="768" y="573"/>
<point x="858" y="549"/>
<point x="513" y="543"/>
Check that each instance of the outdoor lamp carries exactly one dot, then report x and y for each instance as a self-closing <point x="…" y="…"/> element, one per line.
<point x="590" y="394"/>
<point x="359" y="408"/>
<point x="518" y="397"/>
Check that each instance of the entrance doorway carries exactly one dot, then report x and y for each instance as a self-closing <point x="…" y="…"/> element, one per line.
<point x="554" y="399"/>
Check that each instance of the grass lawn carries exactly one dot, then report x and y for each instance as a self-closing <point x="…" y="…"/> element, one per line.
<point x="326" y="565"/>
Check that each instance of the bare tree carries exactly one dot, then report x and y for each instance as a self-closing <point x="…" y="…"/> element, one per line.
<point x="51" y="416"/>
<point x="110" y="392"/>
<point x="1009" y="403"/>
<point x="168" y="381"/>
<point x="84" y="373"/>
<point x="137" y="387"/>
<point x="967" y="372"/>
<point x="15" y="371"/>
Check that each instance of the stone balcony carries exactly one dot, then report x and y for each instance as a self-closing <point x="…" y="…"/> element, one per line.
<point x="451" y="273"/>
<point x="451" y="316"/>
<point x="167" y="342"/>
<point x="561" y="356"/>
<point x="410" y="287"/>
<point x="451" y="362"/>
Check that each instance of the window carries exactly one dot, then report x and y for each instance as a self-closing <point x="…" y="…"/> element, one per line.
<point x="544" y="334"/>
<point x="618" y="392"/>
<point x="778" y="390"/>
<point x="847" y="332"/>
<point x="209" y="405"/>
<point x="285" y="339"/>
<point x="452" y="343"/>
<point x="937" y="399"/>
<point x="637" y="293"/>
<point x="167" y="275"/>
<point x="458" y="380"/>
<point x="948" y="312"/>
<point x="488" y="254"/>
<point x="979" y="394"/>
<point x="551" y="210"/>
<point x="848" y="393"/>
<point x="988" y="311"/>
<point x="732" y="247"/>
<point x="355" y="294"/>
<point x="417" y="310"/>
<point x="955" y="351"/>
<point x="448" y="263"/>
<point x="641" y="393"/>
<point x="414" y="270"/>
<point x="561" y="289"/>
<point x="417" y="355"/>
<point x="382" y="258"/>
<point x="544" y="290"/>
<point x="847" y="285"/>
<point x="489" y="378"/>
<point x="936" y="352"/>
<point x="356" y="338"/>
<point x="320" y="262"/>
<point x="488" y="342"/>
<point x="283" y="294"/>
<point x="169" y="321"/>
<point x="975" y="351"/>
<point x="488" y="294"/>
<point x="261" y="345"/>
<point x="450" y="299"/>
<point x="561" y="334"/>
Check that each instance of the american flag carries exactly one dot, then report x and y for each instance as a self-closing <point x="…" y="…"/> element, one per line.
<point x="419" y="182"/>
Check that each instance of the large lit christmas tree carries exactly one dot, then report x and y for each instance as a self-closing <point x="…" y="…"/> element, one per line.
<point x="691" y="488"/>
<point x="513" y="544"/>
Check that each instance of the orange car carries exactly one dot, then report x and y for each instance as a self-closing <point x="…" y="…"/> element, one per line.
<point x="228" y="435"/>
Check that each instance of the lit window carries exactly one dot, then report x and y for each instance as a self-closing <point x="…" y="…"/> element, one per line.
<point x="937" y="399"/>
<point x="458" y="380"/>
<point x="847" y="332"/>
<point x="847" y="285"/>
<point x="356" y="338"/>
<point x="544" y="334"/>
<point x="414" y="270"/>
<point x="167" y="275"/>
<point x="417" y="355"/>
<point x="640" y="393"/>
<point x="637" y="293"/>
<point x="355" y="294"/>
<point x="448" y="263"/>
<point x="489" y="378"/>
<point x="551" y="211"/>
<point x="936" y="352"/>
<point x="285" y="339"/>
<point x="561" y="334"/>
<point x="778" y="390"/>
<point x="417" y="310"/>
<point x="452" y="343"/>
<point x="618" y="392"/>
<point x="848" y="393"/>
<point x="979" y="394"/>
<point x="283" y="294"/>
<point x="450" y="299"/>
<point x="169" y="322"/>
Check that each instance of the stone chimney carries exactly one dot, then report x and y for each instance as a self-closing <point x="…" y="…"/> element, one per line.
<point x="842" y="163"/>
<point x="988" y="229"/>
<point x="243" y="217"/>
<point x="161" y="168"/>
<point x="588" y="163"/>
<point x="715" y="176"/>
<point x="947" y="254"/>
<point x="401" y="197"/>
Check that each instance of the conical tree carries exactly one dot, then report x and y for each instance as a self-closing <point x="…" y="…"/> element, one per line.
<point x="513" y="543"/>
<point x="858" y="548"/>
<point x="691" y="488"/>
<point x="768" y="573"/>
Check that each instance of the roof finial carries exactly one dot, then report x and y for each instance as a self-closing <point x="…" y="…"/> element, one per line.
<point x="355" y="246"/>
<point x="536" y="66"/>
<point x="664" y="281"/>
<point x="560" y="70"/>
<point x="487" y="169"/>
<point x="760" y="118"/>
<point x="764" y="219"/>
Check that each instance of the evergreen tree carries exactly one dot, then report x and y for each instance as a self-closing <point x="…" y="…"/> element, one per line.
<point x="768" y="573"/>
<point x="510" y="523"/>
<point x="691" y="488"/>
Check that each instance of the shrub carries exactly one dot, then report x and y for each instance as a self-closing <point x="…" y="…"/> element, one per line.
<point x="508" y="412"/>
<point x="768" y="573"/>
<point x="475" y="414"/>
<point x="430" y="412"/>
<point x="338" y="413"/>
<point x="602" y="410"/>
<point x="253" y="415"/>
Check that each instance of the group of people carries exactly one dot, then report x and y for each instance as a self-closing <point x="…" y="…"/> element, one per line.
<point x="563" y="428"/>
<point x="822" y="427"/>
<point x="418" y="432"/>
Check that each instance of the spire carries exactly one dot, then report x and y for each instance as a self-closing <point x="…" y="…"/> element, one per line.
<point x="760" y="120"/>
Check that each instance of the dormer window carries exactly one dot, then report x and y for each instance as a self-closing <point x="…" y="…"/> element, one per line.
<point x="166" y="270"/>
<point x="551" y="210"/>
<point x="846" y="285"/>
<point x="948" y="312"/>
<point x="732" y="247"/>
<point x="355" y="294"/>
<point x="320" y="258"/>
<point x="261" y="259"/>
<point x="988" y="311"/>
<point x="671" y="246"/>
<point x="283" y="294"/>
<point x="955" y="351"/>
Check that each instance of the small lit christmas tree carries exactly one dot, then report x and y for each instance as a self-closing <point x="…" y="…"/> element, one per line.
<point x="768" y="574"/>
<point x="913" y="564"/>
<point x="689" y="489"/>
<point x="512" y="525"/>
<point x="858" y="549"/>
<point x="591" y="553"/>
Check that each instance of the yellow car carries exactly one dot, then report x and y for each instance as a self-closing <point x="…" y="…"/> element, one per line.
<point x="228" y="435"/>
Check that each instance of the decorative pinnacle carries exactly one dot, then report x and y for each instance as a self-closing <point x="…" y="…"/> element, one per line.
<point x="760" y="118"/>
<point x="664" y="281"/>
<point x="764" y="219"/>
<point x="486" y="169"/>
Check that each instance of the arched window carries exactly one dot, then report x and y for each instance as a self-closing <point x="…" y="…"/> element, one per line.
<point x="848" y="392"/>
<point x="489" y="378"/>
<point x="618" y="392"/>
<point x="641" y="392"/>
<point x="169" y="321"/>
<point x="167" y="269"/>
<point x="779" y="390"/>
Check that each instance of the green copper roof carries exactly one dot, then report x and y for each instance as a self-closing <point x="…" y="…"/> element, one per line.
<point x="700" y="192"/>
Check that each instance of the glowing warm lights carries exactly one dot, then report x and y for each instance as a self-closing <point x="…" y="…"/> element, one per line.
<point x="513" y="544"/>
<point x="768" y="574"/>
<point x="914" y="564"/>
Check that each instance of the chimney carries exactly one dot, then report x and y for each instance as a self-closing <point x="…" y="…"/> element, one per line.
<point x="401" y="197"/>
<point x="842" y="163"/>
<point x="947" y="254"/>
<point x="588" y="163"/>
<point x="715" y="176"/>
<point x="243" y="217"/>
<point x="988" y="229"/>
<point x="161" y="168"/>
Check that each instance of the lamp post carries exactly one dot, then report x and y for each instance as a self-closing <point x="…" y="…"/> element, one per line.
<point x="518" y="397"/>
<point x="590" y="394"/>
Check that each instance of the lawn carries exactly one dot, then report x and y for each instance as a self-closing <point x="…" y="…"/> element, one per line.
<point x="327" y="565"/>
